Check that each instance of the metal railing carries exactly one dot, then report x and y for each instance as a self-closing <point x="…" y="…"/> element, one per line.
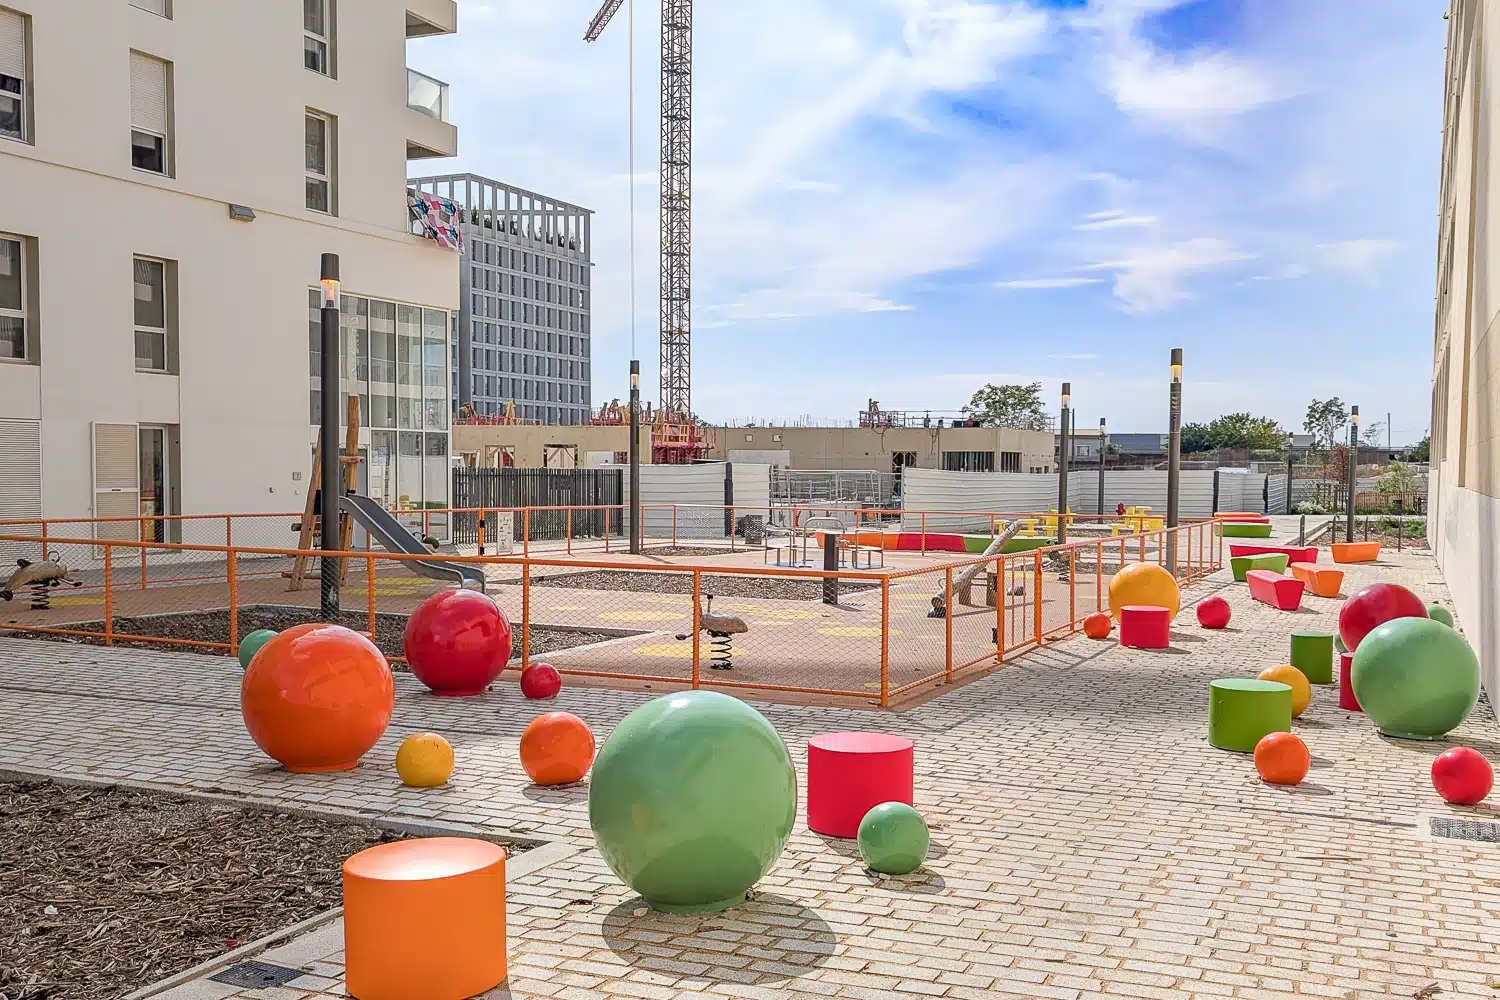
<point x="427" y="95"/>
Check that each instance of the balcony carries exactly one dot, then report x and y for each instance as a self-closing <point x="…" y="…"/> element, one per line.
<point x="431" y="17"/>
<point x="429" y="133"/>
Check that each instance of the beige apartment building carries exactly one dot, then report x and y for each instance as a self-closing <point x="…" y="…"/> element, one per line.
<point x="172" y="171"/>
<point x="1464" y="505"/>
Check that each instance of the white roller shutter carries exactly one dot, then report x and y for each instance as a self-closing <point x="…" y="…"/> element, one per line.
<point x="117" y="480"/>
<point x="12" y="44"/>
<point x="148" y="94"/>
<point x="20" y="469"/>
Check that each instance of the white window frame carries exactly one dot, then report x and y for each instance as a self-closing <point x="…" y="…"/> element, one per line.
<point x="161" y="8"/>
<point x="327" y="176"/>
<point x="22" y="314"/>
<point x="323" y="41"/>
<point x="166" y="317"/>
<point x="166" y="135"/>
<point x="23" y="96"/>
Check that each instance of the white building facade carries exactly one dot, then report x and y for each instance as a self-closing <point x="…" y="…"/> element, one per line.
<point x="171" y="172"/>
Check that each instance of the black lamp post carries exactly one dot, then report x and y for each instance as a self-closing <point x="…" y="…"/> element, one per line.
<point x="1103" y="448"/>
<point x="1174" y="456"/>
<point x="331" y="472"/>
<point x="1290" y="440"/>
<point x="1062" y="467"/>
<point x="1353" y="471"/>
<point x="635" y="457"/>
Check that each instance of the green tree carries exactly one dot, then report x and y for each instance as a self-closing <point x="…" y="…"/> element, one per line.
<point x="1374" y="435"/>
<point x="1196" y="439"/>
<point x="1325" y="419"/>
<point x="1242" y="431"/>
<point x="1017" y="406"/>
<point x="1399" y="478"/>
<point x="1420" y="452"/>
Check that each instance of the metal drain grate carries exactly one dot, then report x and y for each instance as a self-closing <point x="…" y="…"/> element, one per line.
<point x="1466" y="829"/>
<point x="255" y="975"/>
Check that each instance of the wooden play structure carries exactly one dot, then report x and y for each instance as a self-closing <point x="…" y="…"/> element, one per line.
<point x="310" y="525"/>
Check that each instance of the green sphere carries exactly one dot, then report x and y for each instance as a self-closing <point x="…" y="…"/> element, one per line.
<point x="692" y="800"/>
<point x="893" y="838"/>
<point x="1338" y="644"/>
<point x="1438" y="613"/>
<point x="250" y="645"/>
<point x="1415" y="678"/>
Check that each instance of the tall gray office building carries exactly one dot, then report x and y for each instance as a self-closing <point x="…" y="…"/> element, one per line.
<point x="523" y="330"/>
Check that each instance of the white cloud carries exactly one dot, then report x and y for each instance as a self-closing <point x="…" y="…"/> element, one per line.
<point x="1029" y="283"/>
<point x="1117" y="221"/>
<point x="1148" y="279"/>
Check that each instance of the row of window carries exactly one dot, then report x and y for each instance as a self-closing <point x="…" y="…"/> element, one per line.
<point x="526" y="364"/>
<point x="520" y="338"/>
<point x="151" y="84"/>
<point x="486" y="280"/>
<point x="394" y="358"/>
<point x="526" y="262"/>
<point x="154" y="281"/>
<point x="549" y="317"/>
<point x="525" y="389"/>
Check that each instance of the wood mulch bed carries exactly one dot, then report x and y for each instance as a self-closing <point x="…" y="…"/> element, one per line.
<point x="106" y="890"/>
<point x="212" y="626"/>
<point x="778" y="588"/>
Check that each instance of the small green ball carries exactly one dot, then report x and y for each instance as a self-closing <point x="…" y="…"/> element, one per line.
<point x="1438" y="613"/>
<point x="250" y="645"/>
<point x="1338" y="644"/>
<point x="893" y="838"/>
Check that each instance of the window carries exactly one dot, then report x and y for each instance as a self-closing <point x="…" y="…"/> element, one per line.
<point x="1010" y="461"/>
<point x="13" y="94"/>
<point x="150" y="116"/>
<point x="161" y="7"/>
<point x="150" y="315"/>
<point x="13" y="301"/>
<point x="319" y="157"/>
<point x="969" y="461"/>
<point x="317" y="36"/>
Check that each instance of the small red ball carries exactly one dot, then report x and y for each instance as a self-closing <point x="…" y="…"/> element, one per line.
<point x="457" y="642"/>
<point x="1098" y="626"/>
<point x="541" y="680"/>
<point x="1462" y="776"/>
<point x="1213" y="613"/>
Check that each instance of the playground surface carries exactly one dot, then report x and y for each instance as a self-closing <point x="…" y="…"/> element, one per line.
<point x="1087" y="842"/>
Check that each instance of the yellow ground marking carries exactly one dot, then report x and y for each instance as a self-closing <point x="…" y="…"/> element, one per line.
<point x="641" y="616"/>
<point x="851" y="632"/>
<point x="674" y="650"/>
<point x="66" y="602"/>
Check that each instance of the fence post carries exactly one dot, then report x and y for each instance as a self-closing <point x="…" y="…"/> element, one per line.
<point x="1189" y="534"/>
<point x="674" y="526"/>
<point x="885" y="642"/>
<point x="948" y="622"/>
<point x="526" y="535"/>
<point x="570" y="530"/>
<point x="1072" y="588"/>
<point x="1002" y="597"/>
<point x="1099" y="577"/>
<point x="370" y="582"/>
<point x="234" y="603"/>
<point x="640" y="529"/>
<point x="924" y="532"/>
<point x="1036" y="597"/>
<point x="481" y="531"/>
<point x="525" y="613"/>
<point x="109" y="596"/>
<point x="45" y="554"/>
<point x="143" y="552"/>
<point x="697" y="621"/>
<point x="733" y="527"/>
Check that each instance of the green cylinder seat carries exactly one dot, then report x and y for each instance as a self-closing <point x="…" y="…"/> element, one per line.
<point x="1241" y="712"/>
<point x="1274" y="562"/>
<point x="1312" y="653"/>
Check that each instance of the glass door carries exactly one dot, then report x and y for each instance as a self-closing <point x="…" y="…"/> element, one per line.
<point x="154" y="479"/>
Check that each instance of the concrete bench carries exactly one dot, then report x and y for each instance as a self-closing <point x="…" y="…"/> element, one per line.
<point x="1321" y="581"/>
<point x="1356" y="552"/>
<point x="1245" y="529"/>
<point x="1279" y="591"/>
<point x="1273" y="562"/>
<point x="1296" y="553"/>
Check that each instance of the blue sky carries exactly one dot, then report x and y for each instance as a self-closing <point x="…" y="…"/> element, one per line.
<point x="904" y="199"/>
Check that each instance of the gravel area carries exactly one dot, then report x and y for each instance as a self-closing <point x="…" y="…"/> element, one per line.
<point x="103" y="891"/>
<point x="720" y="585"/>
<point x="691" y="550"/>
<point x="213" y="626"/>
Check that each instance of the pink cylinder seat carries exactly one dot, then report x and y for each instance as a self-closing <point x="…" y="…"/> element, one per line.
<point x="1145" y="626"/>
<point x="848" y="774"/>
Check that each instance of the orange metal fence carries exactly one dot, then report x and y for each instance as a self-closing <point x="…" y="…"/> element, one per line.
<point x="616" y="620"/>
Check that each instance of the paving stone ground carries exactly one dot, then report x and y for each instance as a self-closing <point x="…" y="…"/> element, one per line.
<point x="1087" y="840"/>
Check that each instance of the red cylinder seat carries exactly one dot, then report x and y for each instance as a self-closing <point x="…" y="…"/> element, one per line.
<point x="1145" y="626"/>
<point x="848" y="774"/>
<point x="1347" y="701"/>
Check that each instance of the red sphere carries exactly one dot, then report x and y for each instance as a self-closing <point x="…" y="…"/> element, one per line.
<point x="1462" y="776"/>
<point x="1213" y="613"/>
<point x="317" y="698"/>
<point x="1098" y="626"/>
<point x="457" y="642"/>
<point x="541" y="680"/>
<point x="1372" y="607"/>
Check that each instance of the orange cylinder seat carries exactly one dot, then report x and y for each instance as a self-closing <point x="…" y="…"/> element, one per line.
<point x="425" y="918"/>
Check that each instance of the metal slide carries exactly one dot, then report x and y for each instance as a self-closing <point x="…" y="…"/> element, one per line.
<point x="392" y="534"/>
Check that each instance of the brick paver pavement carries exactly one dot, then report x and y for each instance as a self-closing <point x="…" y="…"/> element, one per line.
<point x="1087" y="841"/>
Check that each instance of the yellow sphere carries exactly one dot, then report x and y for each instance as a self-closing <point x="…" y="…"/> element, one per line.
<point x="1146" y="584"/>
<point x="1294" y="679"/>
<point x="425" y="760"/>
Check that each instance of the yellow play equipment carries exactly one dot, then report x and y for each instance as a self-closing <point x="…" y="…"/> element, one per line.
<point x="1144" y="584"/>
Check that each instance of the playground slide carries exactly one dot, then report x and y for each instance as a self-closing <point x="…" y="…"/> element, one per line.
<point x="392" y="534"/>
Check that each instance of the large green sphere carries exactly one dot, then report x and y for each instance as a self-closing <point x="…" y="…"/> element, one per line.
<point x="250" y="645"/>
<point x="692" y="800"/>
<point x="1438" y="613"/>
<point x="1416" y="678"/>
<point x="893" y="838"/>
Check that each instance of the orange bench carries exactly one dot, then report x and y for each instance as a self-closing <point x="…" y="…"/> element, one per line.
<point x="1355" y="552"/>
<point x="1279" y="591"/>
<point x="1320" y="580"/>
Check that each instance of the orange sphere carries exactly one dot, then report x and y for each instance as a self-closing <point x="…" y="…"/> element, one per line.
<point x="1098" y="625"/>
<point x="557" y="749"/>
<point x="1282" y="759"/>
<point x="317" y="698"/>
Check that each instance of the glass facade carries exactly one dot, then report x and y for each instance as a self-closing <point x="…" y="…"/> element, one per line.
<point x="395" y="359"/>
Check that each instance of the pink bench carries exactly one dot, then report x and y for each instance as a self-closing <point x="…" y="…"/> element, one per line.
<point x="1279" y="591"/>
<point x="1294" y="553"/>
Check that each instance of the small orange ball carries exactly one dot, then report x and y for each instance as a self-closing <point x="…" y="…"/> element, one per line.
<point x="557" y="749"/>
<point x="1098" y="625"/>
<point x="1282" y="759"/>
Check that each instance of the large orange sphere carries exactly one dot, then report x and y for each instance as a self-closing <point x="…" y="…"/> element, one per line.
<point x="317" y="698"/>
<point x="1144" y="583"/>
<point x="1282" y="759"/>
<point x="1098" y="625"/>
<point x="557" y="749"/>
